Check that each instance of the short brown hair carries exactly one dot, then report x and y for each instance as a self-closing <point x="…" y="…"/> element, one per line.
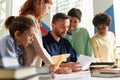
<point x="102" y="18"/>
<point x="58" y="16"/>
<point x="74" y="12"/>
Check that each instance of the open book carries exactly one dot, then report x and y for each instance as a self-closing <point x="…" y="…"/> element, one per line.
<point x="58" y="59"/>
<point x="85" y="61"/>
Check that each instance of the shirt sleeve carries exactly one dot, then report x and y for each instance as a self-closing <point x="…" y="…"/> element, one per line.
<point x="96" y="55"/>
<point x="89" y="47"/>
<point x="8" y="49"/>
<point x="82" y="39"/>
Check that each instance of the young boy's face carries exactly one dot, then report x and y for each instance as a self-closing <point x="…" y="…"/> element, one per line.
<point x="102" y="29"/>
<point x="74" y="22"/>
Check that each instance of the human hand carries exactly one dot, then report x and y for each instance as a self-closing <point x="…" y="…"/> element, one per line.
<point x="70" y="30"/>
<point x="52" y="68"/>
<point x="75" y="66"/>
<point x="64" y="70"/>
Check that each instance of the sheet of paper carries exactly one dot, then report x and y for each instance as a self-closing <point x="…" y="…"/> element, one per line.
<point x="85" y="61"/>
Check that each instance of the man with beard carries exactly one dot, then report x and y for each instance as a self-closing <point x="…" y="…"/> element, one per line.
<point x="55" y="43"/>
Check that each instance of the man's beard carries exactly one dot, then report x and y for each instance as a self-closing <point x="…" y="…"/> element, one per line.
<point x="59" y="34"/>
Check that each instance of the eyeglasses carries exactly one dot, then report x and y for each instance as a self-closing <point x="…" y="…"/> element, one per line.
<point x="102" y="27"/>
<point x="31" y="36"/>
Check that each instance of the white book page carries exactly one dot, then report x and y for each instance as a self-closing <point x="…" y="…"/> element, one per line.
<point x="85" y="61"/>
<point x="9" y="62"/>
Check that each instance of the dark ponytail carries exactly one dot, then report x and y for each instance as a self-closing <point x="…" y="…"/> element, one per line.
<point x="18" y="23"/>
<point x="9" y="21"/>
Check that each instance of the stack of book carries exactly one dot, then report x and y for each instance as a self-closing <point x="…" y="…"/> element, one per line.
<point x="17" y="73"/>
<point x="11" y="70"/>
<point x="104" y="69"/>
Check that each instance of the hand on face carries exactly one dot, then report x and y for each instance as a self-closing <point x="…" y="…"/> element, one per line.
<point x="70" y="30"/>
<point x="74" y="22"/>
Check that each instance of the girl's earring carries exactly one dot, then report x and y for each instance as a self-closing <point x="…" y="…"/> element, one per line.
<point x="42" y="2"/>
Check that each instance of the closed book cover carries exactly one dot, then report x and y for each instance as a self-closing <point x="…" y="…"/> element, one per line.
<point x="104" y="75"/>
<point x="111" y="71"/>
<point x="44" y="76"/>
<point x="22" y="72"/>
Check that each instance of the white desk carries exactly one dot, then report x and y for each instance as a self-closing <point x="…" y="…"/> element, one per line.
<point x="82" y="75"/>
